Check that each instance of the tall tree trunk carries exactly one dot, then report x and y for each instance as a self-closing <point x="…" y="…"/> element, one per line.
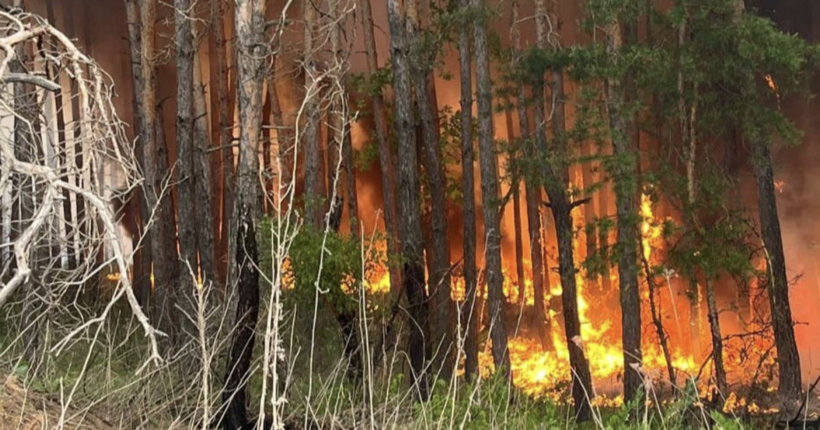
<point x="391" y="225"/>
<point x="314" y="162"/>
<point x="350" y="174"/>
<point x="409" y="198"/>
<point x="187" y="205"/>
<point x="489" y="195"/>
<point x="790" y="383"/>
<point x="519" y="247"/>
<point x="142" y="258"/>
<point x="203" y="214"/>
<point x="250" y="27"/>
<point x="165" y="234"/>
<point x="153" y="152"/>
<point x="626" y="213"/>
<point x="556" y="181"/>
<point x="469" y="319"/>
<point x="533" y="195"/>
<point x="788" y="359"/>
<point x="225" y="134"/>
<point x="441" y="303"/>
<point x="515" y="191"/>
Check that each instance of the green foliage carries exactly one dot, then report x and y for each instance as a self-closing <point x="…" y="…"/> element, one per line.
<point x="492" y="404"/>
<point x="338" y="257"/>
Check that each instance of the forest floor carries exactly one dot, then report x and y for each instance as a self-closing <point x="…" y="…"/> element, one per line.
<point x="23" y="409"/>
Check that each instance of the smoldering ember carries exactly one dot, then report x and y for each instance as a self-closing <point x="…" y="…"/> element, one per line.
<point x="394" y="214"/>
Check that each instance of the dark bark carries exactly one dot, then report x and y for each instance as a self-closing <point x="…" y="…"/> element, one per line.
<point x="350" y="175"/>
<point x="385" y="154"/>
<point x="533" y="198"/>
<point x="469" y="320"/>
<point x="441" y="303"/>
<point x="790" y="384"/>
<point x="409" y="199"/>
<point x="187" y="205"/>
<point x="788" y="359"/>
<point x="489" y="196"/>
<point x="623" y="173"/>
<point x="203" y="213"/>
<point x="225" y="134"/>
<point x="555" y="174"/>
<point x="250" y="25"/>
<point x="142" y="258"/>
<point x="314" y="162"/>
<point x="164" y="238"/>
<point x="247" y="312"/>
<point x="556" y="178"/>
<point x="717" y="341"/>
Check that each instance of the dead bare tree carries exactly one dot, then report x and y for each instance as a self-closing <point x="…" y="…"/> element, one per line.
<point x="102" y="142"/>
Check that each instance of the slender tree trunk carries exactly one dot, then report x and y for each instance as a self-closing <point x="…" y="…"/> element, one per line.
<point x="187" y="205"/>
<point x="165" y="235"/>
<point x="250" y="27"/>
<point x="391" y="225"/>
<point x="519" y="248"/>
<point x="314" y="177"/>
<point x="790" y="383"/>
<point x="350" y="174"/>
<point x="409" y="198"/>
<point x="533" y="201"/>
<point x="717" y="340"/>
<point x="515" y="191"/>
<point x="142" y="259"/>
<point x="625" y="189"/>
<point x="203" y="213"/>
<point x="441" y="303"/>
<point x="489" y="195"/>
<point x="556" y="180"/>
<point x="225" y="134"/>
<point x="469" y="320"/>
<point x="153" y="153"/>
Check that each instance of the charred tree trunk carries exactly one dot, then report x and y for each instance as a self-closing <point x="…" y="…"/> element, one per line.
<point x="717" y="340"/>
<point x="555" y="173"/>
<point x="515" y="191"/>
<point x="790" y="384"/>
<point x="350" y="174"/>
<point x="469" y="320"/>
<point x="409" y="199"/>
<point x="625" y="188"/>
<point x="244" y="336"/>
<point x="250" y="27"/>
<point x="489" y="195"/>
<point x="441" y="304"/>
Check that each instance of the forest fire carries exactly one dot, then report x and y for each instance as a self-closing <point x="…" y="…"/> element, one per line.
<point x="626" y="205"/>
